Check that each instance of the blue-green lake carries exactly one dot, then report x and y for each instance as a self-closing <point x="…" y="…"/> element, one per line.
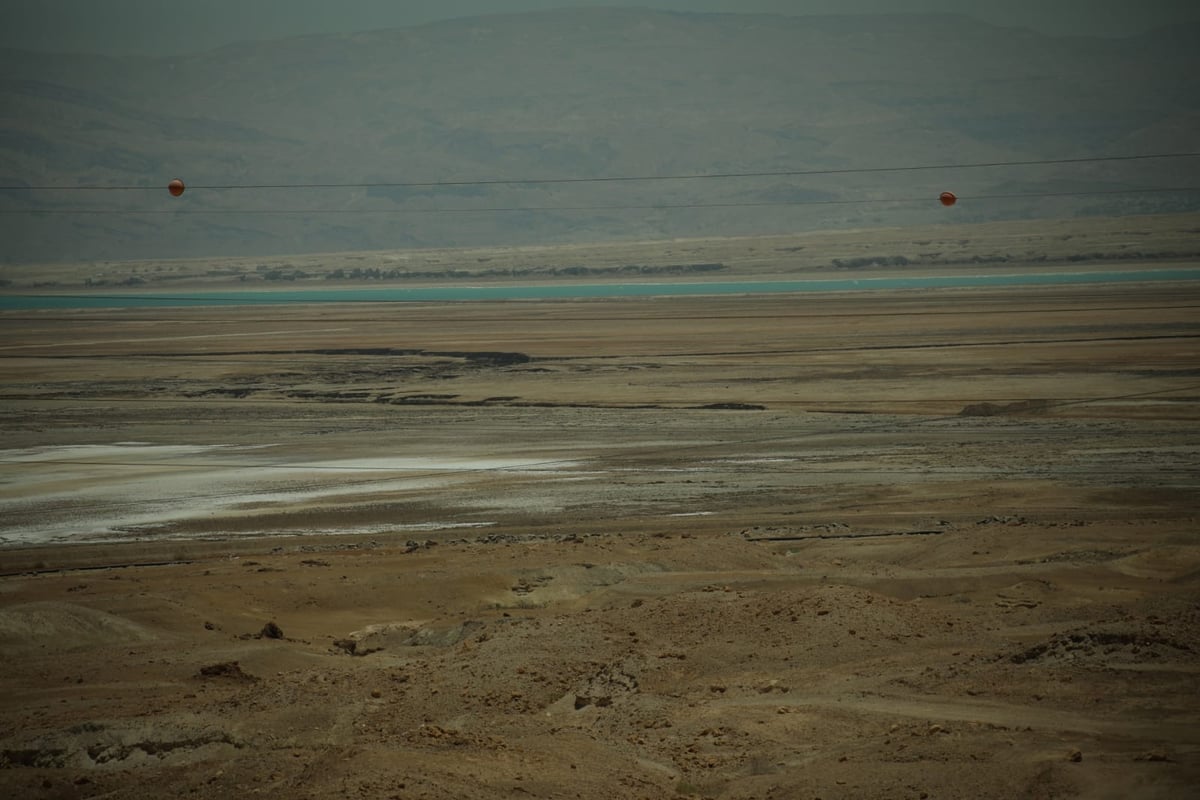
<point x="572" y="291"/>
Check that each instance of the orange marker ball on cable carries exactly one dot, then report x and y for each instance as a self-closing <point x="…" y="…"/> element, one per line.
<point x="175" y="187"/>
<point x="948" y="198"/>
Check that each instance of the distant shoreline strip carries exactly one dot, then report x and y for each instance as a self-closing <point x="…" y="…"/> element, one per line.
<point x="581" y="291"/>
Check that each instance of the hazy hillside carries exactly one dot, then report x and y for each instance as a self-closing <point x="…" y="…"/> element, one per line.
<point x="582" y="94"/>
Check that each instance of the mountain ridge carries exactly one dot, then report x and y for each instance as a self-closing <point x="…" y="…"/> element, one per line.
<point x="586" y="93"/>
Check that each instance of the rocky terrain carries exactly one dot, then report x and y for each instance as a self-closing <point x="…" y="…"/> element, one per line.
<point x="921" y="544"/>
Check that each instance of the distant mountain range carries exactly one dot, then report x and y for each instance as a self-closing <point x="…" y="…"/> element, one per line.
<point x="584" y="94"/>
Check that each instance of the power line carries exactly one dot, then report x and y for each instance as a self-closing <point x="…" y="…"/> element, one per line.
<point x="468" y="210"/>
<point x="625" y="178"/>
<point x="549" y="209"/>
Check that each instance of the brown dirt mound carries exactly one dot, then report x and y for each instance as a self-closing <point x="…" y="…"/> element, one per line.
<point x="60" y="627"/>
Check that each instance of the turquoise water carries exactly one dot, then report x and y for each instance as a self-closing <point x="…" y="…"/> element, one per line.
<point x="390" y="294"/>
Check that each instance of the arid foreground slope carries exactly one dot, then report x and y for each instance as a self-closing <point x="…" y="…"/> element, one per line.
<point x="925" y="544"/>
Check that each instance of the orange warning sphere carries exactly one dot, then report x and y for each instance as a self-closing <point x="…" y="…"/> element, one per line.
<point x="175" y="187"/>
<point x="947" y="198"/>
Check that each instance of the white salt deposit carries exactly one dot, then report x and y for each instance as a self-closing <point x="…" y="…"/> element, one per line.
<point x="97" y="492"/>
<point x="439" y="464"/>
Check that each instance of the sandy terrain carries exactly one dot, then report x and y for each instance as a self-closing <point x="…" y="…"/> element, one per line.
<point x="928" y="544"/>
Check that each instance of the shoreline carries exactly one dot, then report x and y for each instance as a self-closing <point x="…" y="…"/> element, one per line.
<point x="592" y="291"/>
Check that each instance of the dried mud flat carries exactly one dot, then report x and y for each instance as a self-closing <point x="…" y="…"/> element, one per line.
<point x="909" y="545"/>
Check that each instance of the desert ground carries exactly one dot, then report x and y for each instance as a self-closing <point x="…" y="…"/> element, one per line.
<point x="910" y="544"/>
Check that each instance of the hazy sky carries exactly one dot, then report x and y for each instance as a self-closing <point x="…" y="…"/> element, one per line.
<point x="160" y="26"/>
